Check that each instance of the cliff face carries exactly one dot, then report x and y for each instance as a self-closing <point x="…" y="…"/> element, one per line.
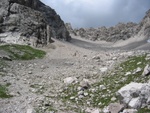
<point x="119" y="32"/>
<point x="31" y="18"/>
<point x="143" y="28"/>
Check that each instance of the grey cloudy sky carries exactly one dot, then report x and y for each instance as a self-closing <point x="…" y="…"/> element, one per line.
<point x="96" y="13"/>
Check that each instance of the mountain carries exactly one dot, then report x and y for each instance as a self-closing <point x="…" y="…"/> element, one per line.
<point x="121" y="31"/>
<point x="31" y="19"/>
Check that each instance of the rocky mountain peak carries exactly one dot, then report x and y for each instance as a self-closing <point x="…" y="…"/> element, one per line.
<point x="121" y="31"/>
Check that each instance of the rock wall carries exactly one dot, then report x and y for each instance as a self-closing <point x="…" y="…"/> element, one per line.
<point x="121" y="31"/>
<point x="31" y="18"/>
<point x="143" y="28"/>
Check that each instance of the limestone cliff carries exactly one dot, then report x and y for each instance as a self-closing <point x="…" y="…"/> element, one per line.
<point x="31" y="18"/>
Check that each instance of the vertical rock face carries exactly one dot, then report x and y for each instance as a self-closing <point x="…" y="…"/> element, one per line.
<point x="143" y="27"/>
<point x="31" y="18"/>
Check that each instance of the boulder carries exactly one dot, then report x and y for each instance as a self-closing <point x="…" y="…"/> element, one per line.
<point x="70" y="80"/>
<point x="134" y="95"/>
<point x="146" y="70"/>
<point x="85" y="84"/>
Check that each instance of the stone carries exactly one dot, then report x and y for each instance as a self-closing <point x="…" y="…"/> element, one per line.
<point x="79" y="88"/>
<point x="129" y="111"/>
<point x="139" y="63"/>
<point x="81" y="96"/>
<point x="5" y="57"/>
<point x="135" y="95"/>
<point x="115" y="107"/>
<point x="86" y="94"/>
<point x="113" y="99"/>
<point x="147" y="57"/>
<point x="148" y="101"/>
<point x="43" y="67"/>
<point x="70" y="80"/>
<point x="81" y="92"/>
<point x="104" y="69"/>
<point x="128" y="73"/>
<point x="135" y="103"/>
<point x="85" y="84"/>
<point x="30" y="110"/>
<point x="146" y="71"/>
<point x="138" y="70"/>
<point x="96" y="57"/>
<point x="30" y="72"/>
<point x="95" y="111"/>
<point x="88" y="110"/>
<point x="102" y="87"/>
<point x="72" y="98"/>
<point x="125" y="92"/>
<point x="106" y="110"/>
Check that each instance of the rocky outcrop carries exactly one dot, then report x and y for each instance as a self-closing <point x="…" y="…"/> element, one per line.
<point x="121" y="31"/>
<point x="143" y="27"/>
<point x="135" y="95"/>
<point x="32" y="19"/>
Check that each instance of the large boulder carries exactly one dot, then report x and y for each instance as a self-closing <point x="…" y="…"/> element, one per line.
<point x="135" y="95"/>
<point x="31" y="18"/>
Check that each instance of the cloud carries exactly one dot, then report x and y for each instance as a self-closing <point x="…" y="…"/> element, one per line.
<point x="96" y="13"/>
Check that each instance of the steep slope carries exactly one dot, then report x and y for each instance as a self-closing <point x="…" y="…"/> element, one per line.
<point x="31" y="18"/>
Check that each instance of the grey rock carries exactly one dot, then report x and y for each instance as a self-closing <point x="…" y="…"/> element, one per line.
<point x="85" y="84"/>
<point x="102" y="87"/>
<point x="146" y="70"/>
<point x="81" y="96"/>
<point x="88" y="110"/>
<point x="103" y="69"/>
<point x="115" y="107"/>
<point x="80" y="92"/>
<point x="138" y="70"/>
<point x="72" y="98"/>
<point x="30" y="110"/>
<point x="134" y="95"/>
<point x="129" y="111"/>
<point x="30" y="72"/>
<point x="69" y="80"/>
<point x="113" y="98"/>
<point x="5" y="56"/>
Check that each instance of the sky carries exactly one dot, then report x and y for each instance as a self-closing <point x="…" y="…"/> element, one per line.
<point x="98" y="13"/>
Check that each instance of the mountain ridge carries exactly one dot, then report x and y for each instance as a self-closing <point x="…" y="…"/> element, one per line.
<point x="121" y="31"/>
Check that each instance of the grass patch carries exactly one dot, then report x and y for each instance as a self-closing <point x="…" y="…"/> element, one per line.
<point x="4" y="91"/>
<point x="22" y="52"/>
<point x="113" y="81"/>
<point x="143" y="110"/>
